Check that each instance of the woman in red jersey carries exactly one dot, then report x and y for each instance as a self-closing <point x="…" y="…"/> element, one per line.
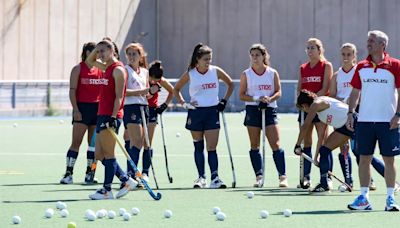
<point x="314" y="76"/>
<point x="113" y="89"/>
<point x="84" y="96"/>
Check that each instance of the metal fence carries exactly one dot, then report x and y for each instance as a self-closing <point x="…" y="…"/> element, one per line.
<point x="50" y="97"/>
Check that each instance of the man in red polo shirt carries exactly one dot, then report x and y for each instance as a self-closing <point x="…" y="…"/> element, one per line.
<point x="376" y="79"/>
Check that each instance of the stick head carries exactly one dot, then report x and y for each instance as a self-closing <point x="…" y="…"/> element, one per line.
<point x="171" y="180"/>
<point x="233" y="184"/>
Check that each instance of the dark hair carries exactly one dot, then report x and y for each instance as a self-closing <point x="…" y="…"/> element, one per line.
<point x="106" y="43"/>
<point x="263" y="51"/>
<point x="115" y="47"/>
<point x="90" y="46"/>
<point x="305" y="97"/>
<point x="156" y="70"/>
<point x="198" y="52"/>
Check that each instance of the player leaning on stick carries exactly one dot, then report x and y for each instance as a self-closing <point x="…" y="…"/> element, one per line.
<point x="84" y="96"/>
<point x="314" y="76"/>
<point x="260" y="85"/>
<point x="110" y="112"/>
<point x="203" y="120"/>
<point x="376" y="79"/>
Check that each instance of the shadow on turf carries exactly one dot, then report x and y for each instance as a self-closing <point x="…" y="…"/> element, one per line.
<point x="45" y="201"/>
<point x="326" y="212"/>
<point x="29" y="184"/>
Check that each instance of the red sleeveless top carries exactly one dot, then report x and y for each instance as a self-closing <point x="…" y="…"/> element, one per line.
<point x="312" y="78"/>
<point x="88" y="89"/>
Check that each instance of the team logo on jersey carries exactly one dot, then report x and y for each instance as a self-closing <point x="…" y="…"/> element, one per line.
<point x="92" y="81"/>
<point x="311" y="79"/>
<point x="189" y="121"/>
<point x="133" y="117"/>
<point x="375" y="80"/>
<point x="329" y="119"/>
<point x="209" y="85"/>
<point x="264" y="87"/>
<point x="346" y="84"/>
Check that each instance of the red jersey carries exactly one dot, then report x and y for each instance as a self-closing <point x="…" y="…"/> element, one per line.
<point x="153" y="101"/>
<point x="88" y="89"/>
<point x="107" y="93"/>
<point x="312" y="78"/>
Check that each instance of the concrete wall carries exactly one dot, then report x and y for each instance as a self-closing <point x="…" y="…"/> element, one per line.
<point x="41" y="39"/>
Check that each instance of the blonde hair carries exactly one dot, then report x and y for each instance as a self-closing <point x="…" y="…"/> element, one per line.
<point x="263" y="51"/>
<point x="353" y="48"/>
<point x="143" y="55"/>
<point x="319" y="45"/>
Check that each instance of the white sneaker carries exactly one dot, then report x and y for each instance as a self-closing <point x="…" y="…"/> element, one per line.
<point x="259" y="181"/>
<point x="67" y="179"/>
<point x="101" y="194"/>
<point x="200" y="183"/>
<point x="283" y="181"/>
<point x="217" y="183"/>
<point x="127" y="186"/>
<point x="330" y="184"/>
<point x="145" y="177"/>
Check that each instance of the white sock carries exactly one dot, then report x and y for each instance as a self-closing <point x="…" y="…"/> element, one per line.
<point x="390" y="192"/>
<point x="365" y="192"/>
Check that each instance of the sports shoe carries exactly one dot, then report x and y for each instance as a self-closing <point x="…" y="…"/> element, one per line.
<point x="320" y="190"/>
<point x="306" y="184"/>
<point x="101" y="194"/>
<point x="330" y="183"/>
<point x="259" y="181"/>
<point x="127" y="186"/>
<point x="391" y="204"/>
<point x="217" y="183"/>
<point x="200" y="183"/>
<point x="89" y="178"/>
<point x="283" y="182"/>
<point x="145" y="177"/>
<point x="67" y="179"/>
<point x="343" y="186"/>
<point x="372" y="186"/>
<point x="360" y="203"/>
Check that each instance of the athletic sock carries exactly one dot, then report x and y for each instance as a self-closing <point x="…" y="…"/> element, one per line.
<point x="279" y="159"/>
<point x="345" y="164"/>
<point x="120" y="174"/>
<point x="213" y="163"/>
<point x="199" y="157"/>
<point x="256" y="161"/>
<point x="324" y="165"/>
<point x="147" y="155"/>
<point x="127" y="145"/>
<point x="390" y="192"/>
<point x="378" y="165"/>
<point x="365" y="192"/>
<point x="90" y="159"/>
<point x="109" y="172"/>
<point x="134" y="153"/>
<point x="307" y="164"/>
<point x="71" y="159"/>
<point x="331" y="164"/>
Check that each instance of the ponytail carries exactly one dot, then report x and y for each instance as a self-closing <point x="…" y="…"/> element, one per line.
<point x="198" y="52"/>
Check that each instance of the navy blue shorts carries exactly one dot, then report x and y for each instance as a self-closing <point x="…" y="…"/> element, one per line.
<point x="202" y="119"/>
<point x="368" y="133"/>
<point x="343" y="130"/>
<point x="88" y="112"/>
<point x="153" y="116"/>
<point x="254" y="117"/>
<point x="102" y="123"/>
<point x="315" y="120"/>
<point x="132" y="114"/>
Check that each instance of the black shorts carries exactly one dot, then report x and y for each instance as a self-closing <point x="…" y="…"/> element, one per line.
<point x="202" y="119"/>
<point x="88" y="112"/>
<point x="153" y="116"/>
<point x="343" y="130"/>
<point x="133" y="115"/>
<point x="315" y="120"/>
<point x="254" y="117"/>
<point x="102" y="123"/>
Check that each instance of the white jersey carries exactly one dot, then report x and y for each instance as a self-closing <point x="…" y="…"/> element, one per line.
<point x="136" y="81"/>
<point x="260" y="85"/>
<point x="336" y="114"/>
<point x="204" y="88"/>
<point x="343" y="87"/>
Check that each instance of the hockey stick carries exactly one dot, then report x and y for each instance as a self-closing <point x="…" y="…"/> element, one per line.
<point x="301" y="165"/>
<point x="263" y="143"/>
<point x="146" y="137"/>
<point x="165" y="149"/>
<point x="135" y="169"/>
<point x="229" y="149"/>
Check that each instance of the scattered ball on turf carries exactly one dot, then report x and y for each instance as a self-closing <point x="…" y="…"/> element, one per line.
<point x="61" y="122"/>
<point x="16" y="219"/>
<point x="91" y="216"/>
<point x="178" y="135"/>
<point x="264" y="214"/>
<point x="122" y="211"/>
<point x="100" y="214"/>
<point x="135" y="211"/>
<point x="49" y="213"/>
<point x="342" y="188"/>
<point x="61" y="205"/>
<point x="71" y="225"/>
<point x="250" y="195"/>
<point x="111" y="214"/>
<point x="216" y="210"/>
<point x="126" y="216"/>
<point x="15" y="125"/>
<point x="287" y="213"/>
<point x="221" y="216"/>
<point x="167" y="214"/>
<point x="88" y="211"/>
<point x="64" y="213"/>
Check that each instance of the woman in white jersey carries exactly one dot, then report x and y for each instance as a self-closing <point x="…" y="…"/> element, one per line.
<point x="260" y="85"/>
<point x="331" y="112"/>
<point x="203" y="118"/>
